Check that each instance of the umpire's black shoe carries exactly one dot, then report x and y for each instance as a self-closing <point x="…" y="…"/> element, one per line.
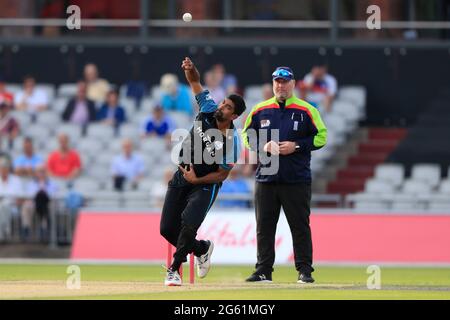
<point x="259" y="277"/>
<point x="305" y="278"/>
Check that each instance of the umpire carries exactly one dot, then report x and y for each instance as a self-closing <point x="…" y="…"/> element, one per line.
<point x="300" y="131"/>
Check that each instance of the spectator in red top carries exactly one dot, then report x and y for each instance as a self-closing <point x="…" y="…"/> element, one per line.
<point x="4" y="94"/>
<point x="65" y="162"/>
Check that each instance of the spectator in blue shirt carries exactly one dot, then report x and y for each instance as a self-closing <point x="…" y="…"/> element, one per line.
<point x="127" y="168"/>
<point x="235" y="184"/>
<point x="175" y="96"/>
<point x="25" y="165"/>
<point x="111" y="113"/>
<point x="158" y="124"/>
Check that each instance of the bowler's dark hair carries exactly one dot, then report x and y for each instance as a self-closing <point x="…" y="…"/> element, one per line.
<point x="239" y="103"/>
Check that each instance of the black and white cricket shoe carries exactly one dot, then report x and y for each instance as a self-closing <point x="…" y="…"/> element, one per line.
<point x="259" y="277"/>
<point x="173" y="278"/>
<point x="204" y="261"/>
<point x="305" y="278"/>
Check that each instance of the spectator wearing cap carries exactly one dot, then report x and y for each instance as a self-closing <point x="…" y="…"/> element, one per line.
<point x="9" y="127"/>
<point x="5" y="95"/>
<point x="285" y="180"/>
<point x="158" y="124"/>
<point x="30" y="98"/>
<point x="80" y="110"/>
<point x="64" y="163"/>
<point x="319" y="88"/>
<point x="97" y="88"/>
<point x="127" y="168"/>
<point x="25" y="164"/>
<point x="175" y="96"/>
<point x="111" y="113"/>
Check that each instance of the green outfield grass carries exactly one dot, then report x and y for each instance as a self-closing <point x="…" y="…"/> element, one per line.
<point x="223" y="282"/>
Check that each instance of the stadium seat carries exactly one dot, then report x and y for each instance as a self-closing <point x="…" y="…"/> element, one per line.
<point x="378" y="186"/>
<point x="154" y="145"/>
<point x="370" y="205"/>
<point x="416" y="187"/>
<point x="181" y="119"/>
<point x="90" y="147"/>
<point x="67" y="90"/>
<point x="336" y="123"/>
<point x="104" y="159"/>
<point x="72" y="130"/>
<point x="129" y="131"/>
<point x="444" y="187"/>
<point x="49" y="89"/>
<point x="129" y="105"/>
<point x="440" y="205"/>
<point x="49" y="119"/>
<point x="346" y="110"/>
<point x="115" y="146"/>
<point x="38" y="133"/>
<point x="155" y="94"/>
<point x="100" y="131"/>
<point x="407" y="205"/>
<point x="146" y="185"/>
<point x="23" y="118"/>
<point x="355" y="94"/>
<point x="87" y="185"/>
<point x="59" y="104"/>
<point x="429" y="173"/>
<point x="394" y="173"/>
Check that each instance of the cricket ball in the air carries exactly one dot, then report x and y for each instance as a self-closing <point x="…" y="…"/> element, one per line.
<point x="187" y="17"/>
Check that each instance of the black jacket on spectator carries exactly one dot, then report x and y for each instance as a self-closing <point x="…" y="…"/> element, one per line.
<point x="67" y="114"/>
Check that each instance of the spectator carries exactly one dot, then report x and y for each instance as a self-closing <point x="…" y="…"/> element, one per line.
<point x="235" y="185"/>
<point x="97" y="88"/>
<point x="212" y="83"/>
<point x="4" y="94"/>
<point x="25" y="165"/>
<point x="31" y="99"/>
<point x="158" y="124"/>
<point x="111" y="113"/>
<point x="127" y="168"/>
<point x="9" y="127"/>
<point x="11" y="197"/>
<point x="319" y="88"/>
<point x="64" y="163"/>
<point x="40" y="190"/>
<point x="176" y="96"/>
<point x="80" y="110"/>
<point x="227" y="81"/>
<point x="267" y="91"/>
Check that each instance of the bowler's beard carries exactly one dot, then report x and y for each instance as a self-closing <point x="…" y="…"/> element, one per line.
<point x="219" y="116"/>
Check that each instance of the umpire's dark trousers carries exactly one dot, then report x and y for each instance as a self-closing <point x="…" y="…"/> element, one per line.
<point x="295" y="200"/>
